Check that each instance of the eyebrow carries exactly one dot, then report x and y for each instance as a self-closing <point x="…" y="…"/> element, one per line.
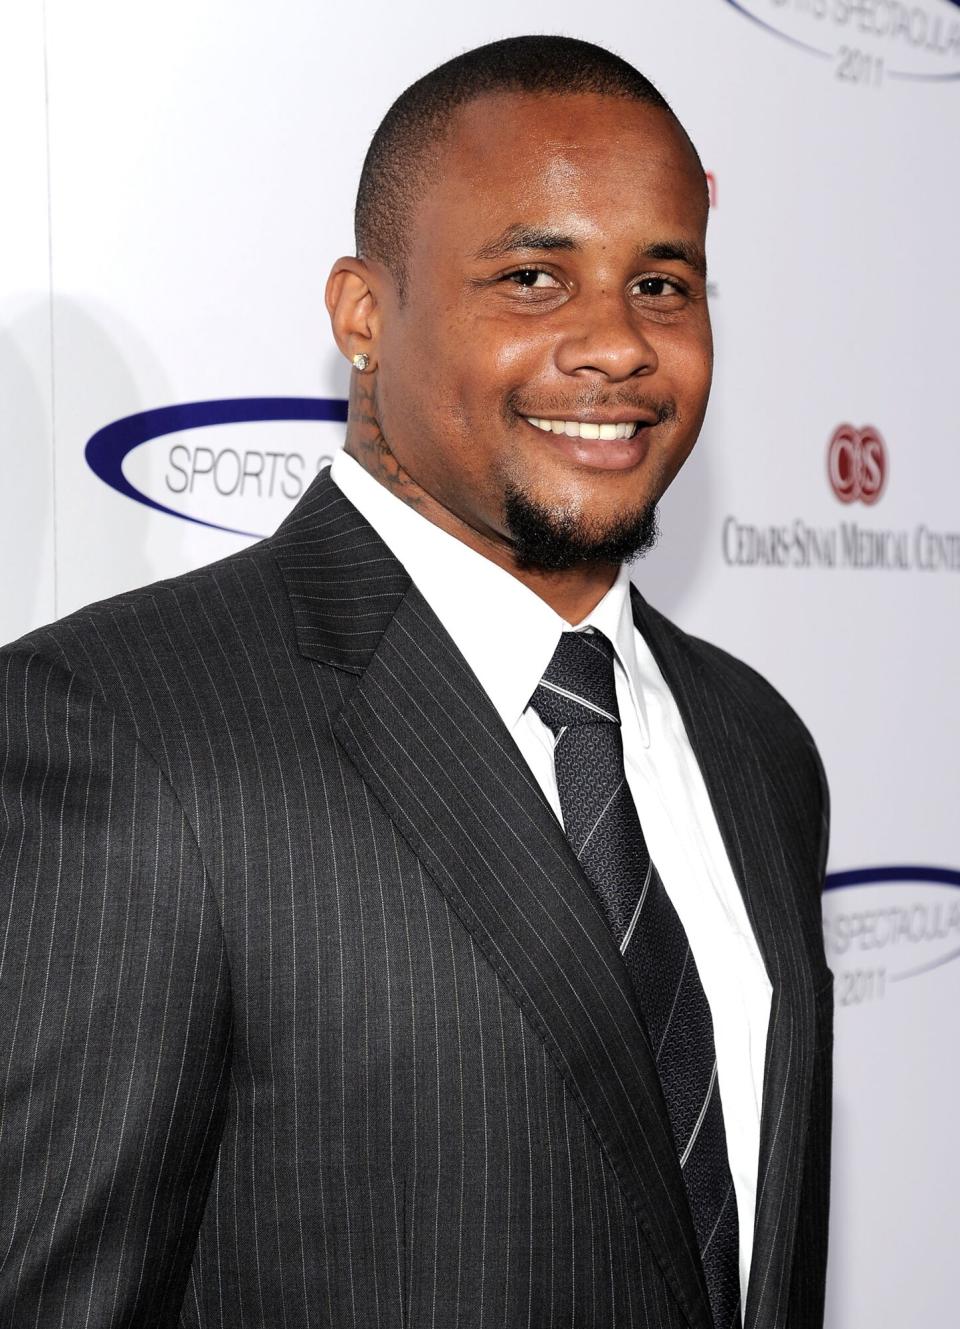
<point x="678" y="251"/>
<point x="522" y="237"/>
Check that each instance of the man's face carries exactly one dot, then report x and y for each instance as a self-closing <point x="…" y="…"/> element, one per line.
<point x="555" y="292"/>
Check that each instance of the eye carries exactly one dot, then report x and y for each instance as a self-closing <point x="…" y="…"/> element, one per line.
<point x="532" y="278"/>
<point x="658" y="286"/>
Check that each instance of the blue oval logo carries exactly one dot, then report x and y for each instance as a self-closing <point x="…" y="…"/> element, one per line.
<point x="867" y="43"/>
<point x="246" y="468"/>
<point x="886" y="925"/>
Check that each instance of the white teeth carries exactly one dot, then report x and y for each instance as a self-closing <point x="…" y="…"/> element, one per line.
<point x="584" y="429"/>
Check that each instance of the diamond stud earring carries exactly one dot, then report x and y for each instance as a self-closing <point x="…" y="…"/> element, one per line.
<point x="361" y="362"/>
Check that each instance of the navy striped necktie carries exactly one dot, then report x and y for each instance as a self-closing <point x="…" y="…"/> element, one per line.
<point x="577" y="699"/>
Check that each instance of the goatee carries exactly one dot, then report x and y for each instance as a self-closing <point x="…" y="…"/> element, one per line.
<point x="550" y="540"/>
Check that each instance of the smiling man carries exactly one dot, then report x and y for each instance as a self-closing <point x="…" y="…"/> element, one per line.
<point x="532" y="309"/>
<point x="404" y="923"/>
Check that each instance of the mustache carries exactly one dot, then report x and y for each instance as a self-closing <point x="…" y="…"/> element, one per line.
<point x="664" y="408"/>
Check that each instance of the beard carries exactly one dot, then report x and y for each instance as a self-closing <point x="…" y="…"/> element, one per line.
<point x="548" y="540"/>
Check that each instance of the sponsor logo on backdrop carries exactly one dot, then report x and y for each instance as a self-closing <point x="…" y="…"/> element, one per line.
<point x="857" y="470"/>
<point x="886" y="926"/>
<point x="236" y="465"/>
<point x="857" y="464"/>
<point x="867" y="41"/>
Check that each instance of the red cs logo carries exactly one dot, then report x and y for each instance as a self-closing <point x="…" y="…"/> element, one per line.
<point x="857" y="464"/>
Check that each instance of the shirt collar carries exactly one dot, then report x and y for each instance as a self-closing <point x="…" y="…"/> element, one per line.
<point x="505" y="632"/>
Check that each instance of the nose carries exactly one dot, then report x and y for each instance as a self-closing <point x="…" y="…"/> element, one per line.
<point x="605" y="337"/>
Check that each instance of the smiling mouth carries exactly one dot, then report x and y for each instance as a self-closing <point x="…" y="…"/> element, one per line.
<point x="584" y="428"/>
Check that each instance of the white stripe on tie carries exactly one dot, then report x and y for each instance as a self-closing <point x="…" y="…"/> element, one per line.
<point x="581" y="701"/>
<point x="606" y="809"/>
<point x="636" y="913"/>
<point x="699" y="1122"/>
<point x="713" y="1230"/>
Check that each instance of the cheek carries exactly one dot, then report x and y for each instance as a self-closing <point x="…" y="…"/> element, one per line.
<point x="494" y="354"/>
<point x="513" y="359"/>
<point x="430" y="418"/>
<point x="414" y="390"/>
<point x="691" y="371"/>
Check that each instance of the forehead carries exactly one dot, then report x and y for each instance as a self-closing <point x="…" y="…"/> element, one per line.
<point x="599" y="164"/>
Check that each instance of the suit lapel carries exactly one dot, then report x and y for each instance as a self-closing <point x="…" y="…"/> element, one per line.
<point x="425" y="738"/>
<point x="739" y="761"/>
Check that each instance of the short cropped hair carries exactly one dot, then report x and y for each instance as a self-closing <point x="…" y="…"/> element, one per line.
<point x="408" y="142"/>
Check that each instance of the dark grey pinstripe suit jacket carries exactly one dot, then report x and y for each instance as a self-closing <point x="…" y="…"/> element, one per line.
<point x="307" y="1014"/>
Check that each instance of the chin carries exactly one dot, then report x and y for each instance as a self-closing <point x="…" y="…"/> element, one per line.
<point x="556" y="537"/>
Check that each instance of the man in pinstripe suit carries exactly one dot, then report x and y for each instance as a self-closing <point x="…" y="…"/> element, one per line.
<point x="313" y="1013"/>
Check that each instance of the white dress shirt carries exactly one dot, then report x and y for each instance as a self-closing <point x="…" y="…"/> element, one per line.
<point x="508" y="635"/>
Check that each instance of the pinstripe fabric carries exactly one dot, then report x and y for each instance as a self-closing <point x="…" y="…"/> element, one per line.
<point x="307" y="1015"/>
<point x="577" y="699"/>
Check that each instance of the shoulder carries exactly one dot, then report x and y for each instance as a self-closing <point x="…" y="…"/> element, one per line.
<point x="191" y="608"/>
<point x="133" y="651"/>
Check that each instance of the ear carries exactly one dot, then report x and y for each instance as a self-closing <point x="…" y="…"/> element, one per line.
<point x="354" y="307"/>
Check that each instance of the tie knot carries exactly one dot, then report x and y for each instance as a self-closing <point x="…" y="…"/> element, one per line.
<point x="577" y="687"/>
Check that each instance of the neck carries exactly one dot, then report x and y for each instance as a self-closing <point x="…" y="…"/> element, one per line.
<point x="572" y="593"/>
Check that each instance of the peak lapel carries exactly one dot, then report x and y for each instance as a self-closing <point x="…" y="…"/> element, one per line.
<point x="738" y="759"/>
<point x="426" y="739"/>
<point x="343" y="582"/>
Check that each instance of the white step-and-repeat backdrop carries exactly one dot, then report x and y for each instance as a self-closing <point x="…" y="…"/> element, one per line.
<point x="176" y="181"/>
